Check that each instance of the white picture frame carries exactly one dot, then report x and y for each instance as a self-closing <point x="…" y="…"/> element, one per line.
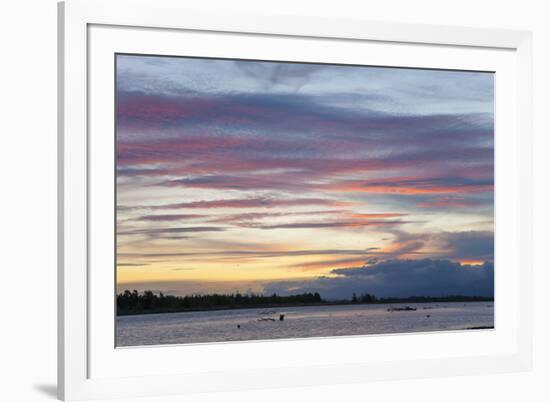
<point x="89" y="367"/>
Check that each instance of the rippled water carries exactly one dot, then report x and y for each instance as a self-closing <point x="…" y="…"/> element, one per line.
<point x="299" y="322"/>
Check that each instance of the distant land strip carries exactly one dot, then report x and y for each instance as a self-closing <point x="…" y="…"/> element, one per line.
<point x="147" y="302"/>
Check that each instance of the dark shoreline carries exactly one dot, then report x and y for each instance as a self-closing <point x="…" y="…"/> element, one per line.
<point x="482" y="327"/>
<point x="420" y="300"/>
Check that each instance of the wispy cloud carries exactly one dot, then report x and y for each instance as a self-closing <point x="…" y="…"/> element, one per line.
<point x="255" y="253"/>
<point x="417" y="185"/>
<point x="169" y="217"/>
<point x="317" y="225"/>
<point x="159" y="231"/>
<point x="243" y="203"/>
<point x="274" y="170"/>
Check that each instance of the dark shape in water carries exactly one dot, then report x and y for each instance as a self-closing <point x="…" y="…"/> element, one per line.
<point x="402" y="309"/>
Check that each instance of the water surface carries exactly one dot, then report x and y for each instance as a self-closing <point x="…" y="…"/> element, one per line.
<point x="299" y="322"/>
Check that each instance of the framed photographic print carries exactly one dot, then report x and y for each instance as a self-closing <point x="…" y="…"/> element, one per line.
<point x="244" y="196"/>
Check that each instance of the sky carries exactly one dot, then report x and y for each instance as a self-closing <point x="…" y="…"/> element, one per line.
<point x="273" y="177"/>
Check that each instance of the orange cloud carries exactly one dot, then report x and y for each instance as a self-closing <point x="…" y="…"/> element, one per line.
<point x="415" y="185"/>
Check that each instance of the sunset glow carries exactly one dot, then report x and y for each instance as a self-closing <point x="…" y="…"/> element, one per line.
<point x="288" y="177"/>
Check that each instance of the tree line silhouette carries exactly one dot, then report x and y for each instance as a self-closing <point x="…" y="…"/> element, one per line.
<point x="133" y="302"/>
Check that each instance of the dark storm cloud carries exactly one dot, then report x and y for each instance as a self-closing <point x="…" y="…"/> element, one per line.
<point x="469" y="245"/>
<point x="398" y="278"/>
